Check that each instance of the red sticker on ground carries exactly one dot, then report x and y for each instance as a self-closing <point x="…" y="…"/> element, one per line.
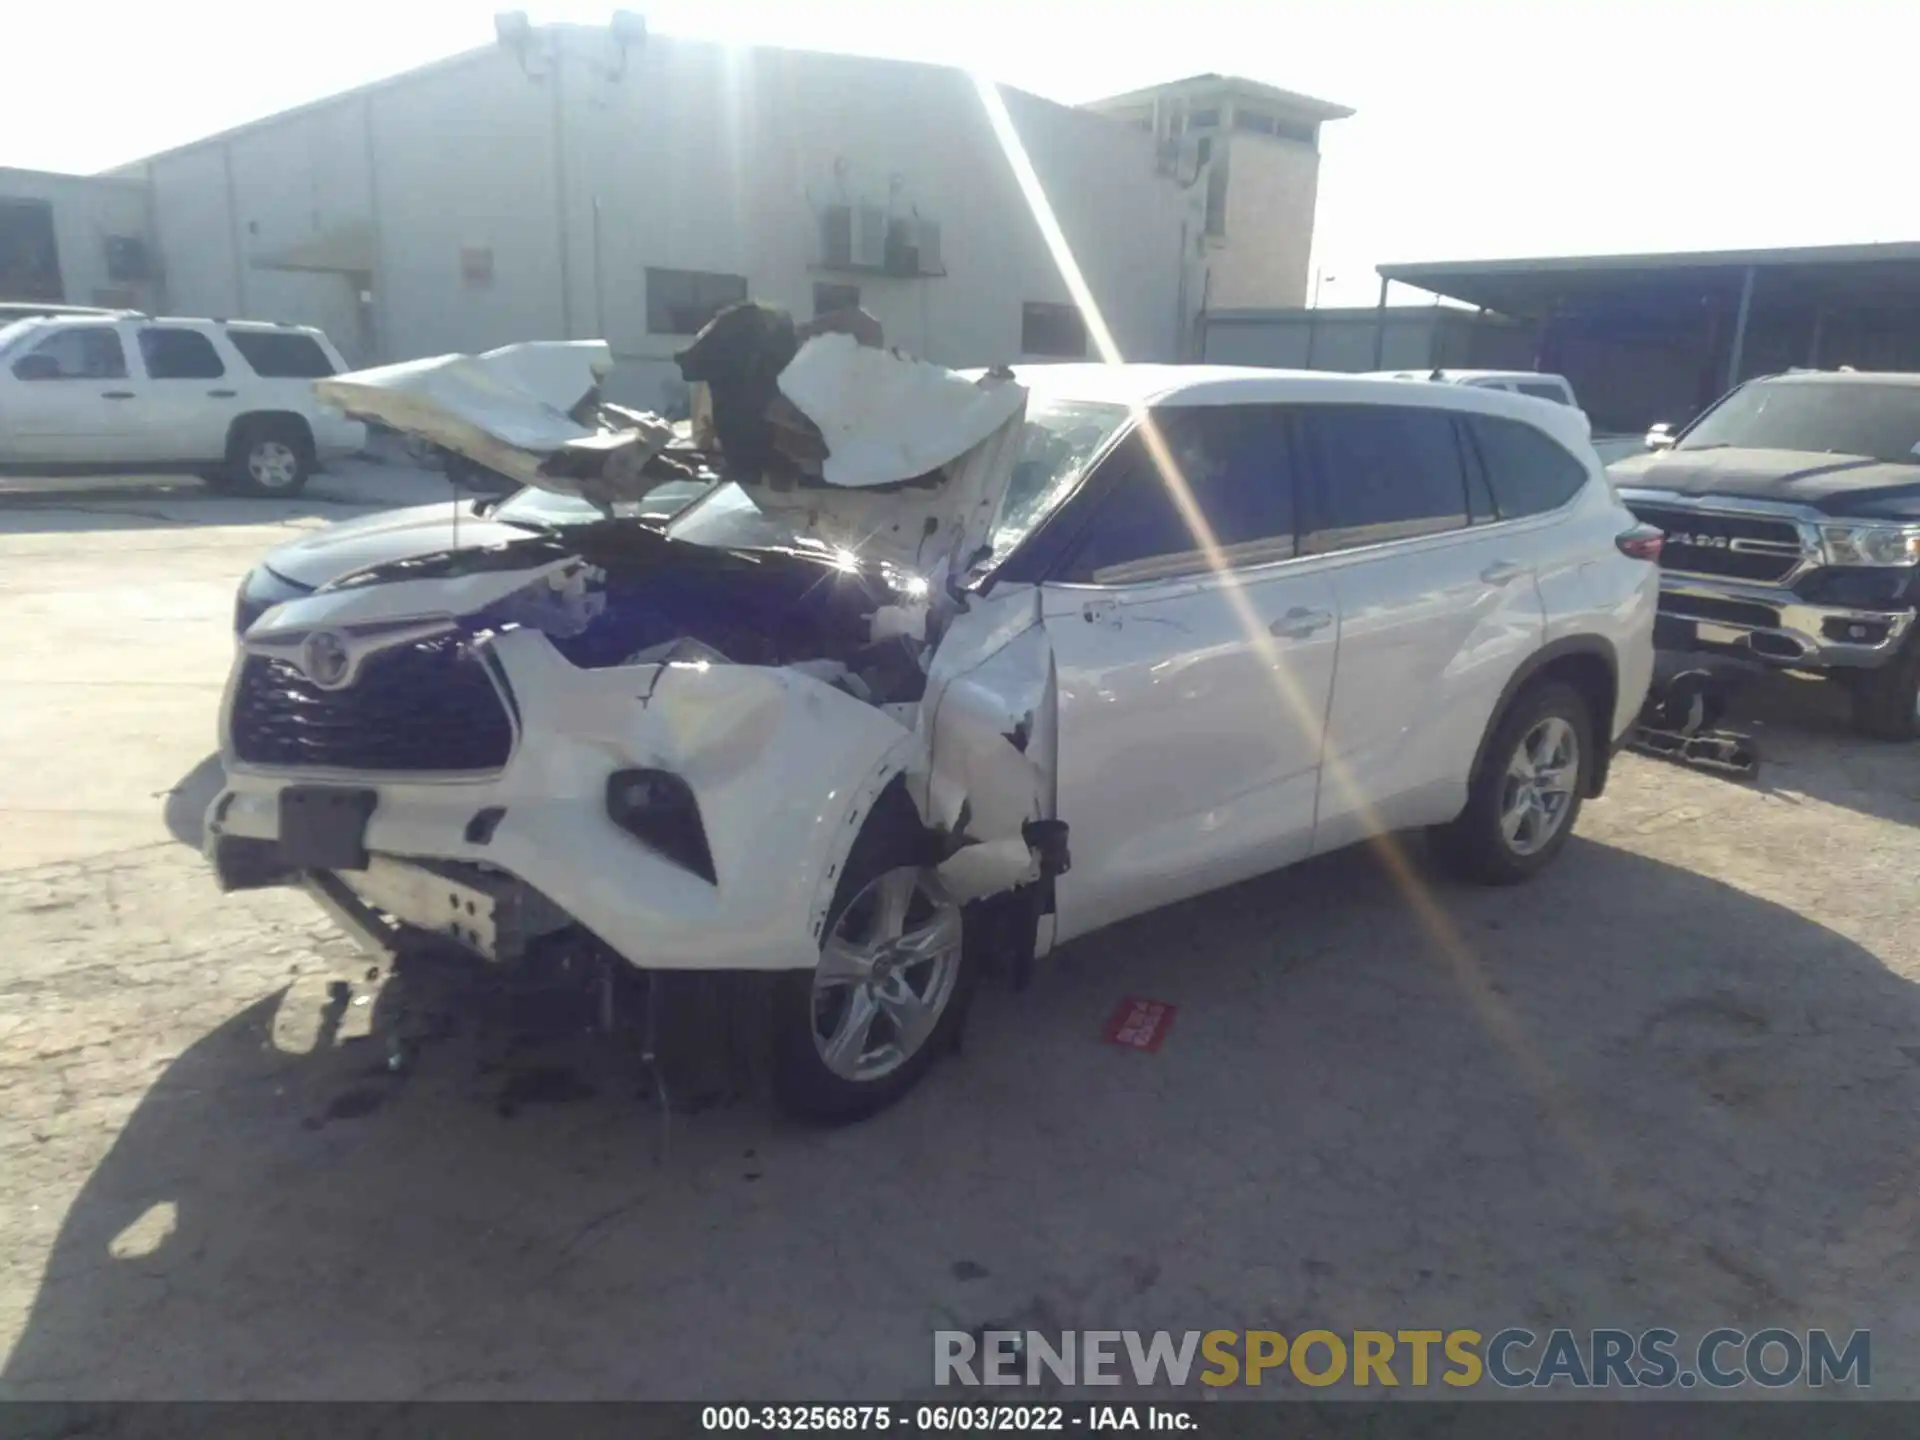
<point x="1140" y="1024"/>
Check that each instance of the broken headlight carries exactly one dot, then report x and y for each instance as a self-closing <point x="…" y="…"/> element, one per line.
<point x="260" y="591"/>
<point x="658" y="810"/>
<point x="1869" y="544"/>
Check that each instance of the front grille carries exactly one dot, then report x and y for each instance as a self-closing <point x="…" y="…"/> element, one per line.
<point x="429" y="706"/>
<point x="1699" y="542"/>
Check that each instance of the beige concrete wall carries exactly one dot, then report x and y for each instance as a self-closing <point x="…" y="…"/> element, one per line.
<point x="86" y="211"/>
<point x="1269" y="232"/>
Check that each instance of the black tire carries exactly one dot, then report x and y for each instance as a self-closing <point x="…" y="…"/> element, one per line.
<point x="1886" y="702"/>
<point x="269" y="457"/>
<point x="1475" y="846"/>
<point x="804" y="1085"/>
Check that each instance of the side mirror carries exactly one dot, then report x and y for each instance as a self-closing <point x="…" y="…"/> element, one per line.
<point x="1660" y="437"/>
<point x="36" y="367"/>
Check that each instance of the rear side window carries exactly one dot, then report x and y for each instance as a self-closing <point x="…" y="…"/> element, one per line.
<point x="172" y="354"/>
<point x="1542" y="390"/>
<point x="1529" y="471"/>
<point x="281" y="354"/>
<point x="1381" y="473"/>
<point x="1235" y="464"/>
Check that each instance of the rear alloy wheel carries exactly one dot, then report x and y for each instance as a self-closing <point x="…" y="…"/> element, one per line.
<point x="1522" y="804"/>
<point x="268" y="458"/>
<point x="1538" y="790"/>
<point x="858" y="1030"/>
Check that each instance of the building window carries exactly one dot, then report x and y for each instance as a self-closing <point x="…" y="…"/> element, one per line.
<point x="476" y="266"/>
<point x="681" y="302"/>
<point x="1056" y="330"/>
<point x="1217" y="198"/>
<point x="1202" y="119"/>
<point x="1259" y="124"/>
<point x="127" y="259"/>
<point x="829" y="298"/>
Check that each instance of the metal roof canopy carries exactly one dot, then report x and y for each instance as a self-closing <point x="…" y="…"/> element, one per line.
<point x="1670" y="285"/>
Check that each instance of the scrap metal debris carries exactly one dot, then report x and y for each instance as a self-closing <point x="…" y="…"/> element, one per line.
<point x="1680" y="723"/>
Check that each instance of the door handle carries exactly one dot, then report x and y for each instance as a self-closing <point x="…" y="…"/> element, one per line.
<point x="223" y="394"/>
<point x="1501" y="572"/>
<point x="116" y="395"/>
<point x="1300" y="622"/>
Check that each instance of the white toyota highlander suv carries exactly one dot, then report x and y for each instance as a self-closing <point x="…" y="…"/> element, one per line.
<point x="123" y="393"/>
<point x="1091" y="640"/>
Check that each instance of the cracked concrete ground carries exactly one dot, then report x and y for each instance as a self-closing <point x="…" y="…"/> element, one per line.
<point x="1674" y="1083"/>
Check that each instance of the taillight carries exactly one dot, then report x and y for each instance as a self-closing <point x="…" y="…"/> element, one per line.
<point x="1642" y="542"/>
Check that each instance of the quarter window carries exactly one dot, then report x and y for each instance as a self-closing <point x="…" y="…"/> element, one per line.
<point x="1529" y="471"/>
<point x="281" y="354"/>
<point x="1542" y="390"/>
<point x="172" y="354"/>
<point x="1381" y="473"/>
<point x="82" y="352"/>
<point x="1235" y="464"/>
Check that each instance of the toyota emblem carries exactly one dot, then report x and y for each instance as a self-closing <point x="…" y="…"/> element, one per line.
<point x="326" y="660"/>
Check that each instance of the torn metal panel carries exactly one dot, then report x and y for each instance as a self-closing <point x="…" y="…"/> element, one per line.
<point x="507" y="409"/>
<point x="987" y="726"/>
<point x="887" y="417"/>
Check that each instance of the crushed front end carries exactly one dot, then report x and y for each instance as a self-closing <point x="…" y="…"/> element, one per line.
<point x="666" y="747"/>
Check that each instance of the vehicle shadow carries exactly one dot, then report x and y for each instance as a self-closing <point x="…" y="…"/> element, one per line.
<point x="1808" y="746"/>
<point x="1625" y="1095"/>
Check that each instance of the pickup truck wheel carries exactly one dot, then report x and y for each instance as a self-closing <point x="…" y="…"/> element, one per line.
<point x="857" y="1031"/>
<point x="1886" y="702"/>
<point x="1523" y="803"/>
<point x="267" y="458"/>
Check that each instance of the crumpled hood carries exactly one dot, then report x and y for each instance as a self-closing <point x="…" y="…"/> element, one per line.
<point x="917" y="457"/>
<point x="1847" y="485"/>
<point x="323" y="555"/>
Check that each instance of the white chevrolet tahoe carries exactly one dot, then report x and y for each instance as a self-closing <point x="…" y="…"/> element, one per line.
<point x="123" y="393"/>
<point x="1027" y="653"/>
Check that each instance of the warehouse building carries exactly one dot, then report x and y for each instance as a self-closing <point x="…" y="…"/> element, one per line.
<point x="573" y="181"/>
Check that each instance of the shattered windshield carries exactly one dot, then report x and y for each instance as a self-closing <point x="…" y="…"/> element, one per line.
<point x="1841" y="417"/>
<point x="1061" y="437"/>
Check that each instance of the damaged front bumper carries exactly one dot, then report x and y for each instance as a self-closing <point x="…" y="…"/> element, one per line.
<point x="775" y="769"/>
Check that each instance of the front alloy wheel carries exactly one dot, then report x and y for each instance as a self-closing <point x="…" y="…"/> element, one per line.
<point x="887" y="970"/>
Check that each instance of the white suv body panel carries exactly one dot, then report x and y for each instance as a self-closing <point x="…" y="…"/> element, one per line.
<point x="1191" y="732"/>
<point x="138" y="419"/>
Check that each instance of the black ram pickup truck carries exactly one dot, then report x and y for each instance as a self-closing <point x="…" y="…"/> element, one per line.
<point x="1792" y="518"/>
